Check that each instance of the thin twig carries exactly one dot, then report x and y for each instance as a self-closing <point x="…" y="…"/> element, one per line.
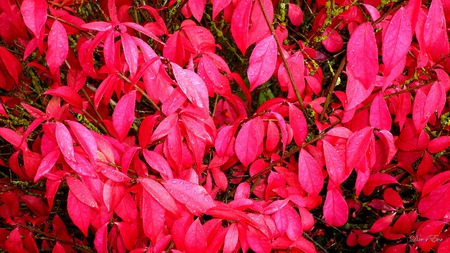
<point x="285" y="63"/>
<point x="333" y="85"/>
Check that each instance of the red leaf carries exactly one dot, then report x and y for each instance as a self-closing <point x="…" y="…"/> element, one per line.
<point x="362" y="55"/>
<point x="439" y="144"/>
<point x="309" y="173"/>
<point x="65" y="142"/>
<point x="333" y="41"/>
<point x="249" y="141"/>
<point x="435" y="31"/>
<point x="131" y="52"/>
<point x="225" y="141"/>
<point x="380" y="179"/>
<point x="435" y="182"/>
<point x="380" y="117"/>
<point x="58" y="48"/>
<point x="114" y="174"/>
<point x="153" y="216"/>
<point x="79" y="212"/>
<point x="357" y="146"/>
<point x="335" y="209"/>
<point x="382" y="223"/>
<point x="334" y="160"/>
<point x="192" y="86"/>
<point x="257" y="241"/>
<point x="418" y="113"/>
<point x="85" y="138"/>
<point x="194" y="196"/>
<point x="231" y="239"/>
<point x="197" y="8"/>
<point x="158" y="163"/>
<point x="427" y="234"/>
<point x="47" y="164"/>
<point x="262" y="62"/>
<point x="272" y="137"/>
<point x="100" y="26"/>
<point x="195" y="240"/>
<point x="13" y="242"/>
<point x="396" y="40"/>
<point x="298" y="124"/>
<point x="34" y="14"/>
<point x="393" y="198"/>
<point x="123" y="115"/>
<point x="296" y="64"/>
<point x="436" y="100"/>
<point x="68" y="94"/>
<point x="356" y="92"/>
<point x="12" y="64"/>
<point x="159" y="194"/>
<point x="165" y="127"/>
<point x="10" y="136"/>
<point x="295" y="14"/>
<point x="81" y="192"/>
<point x="248" y="24"/>
<point x="435" y="205"/>
<point x="101" y="239"/>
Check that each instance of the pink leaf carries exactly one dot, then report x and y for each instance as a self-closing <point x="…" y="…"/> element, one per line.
<point x="34" y="14"/>
<point x="231" y="239"/>
<point x="435" y="31"/>
<point x="418" y="113"/>
<point x="12" y="64"/>
<point x="435" y="181"/>
<point x="10" y="136"/>
<point x="380" y="117"/>
<point x="195" y="240"/>
<point x="68" y="94"/>
<point x="397" y="40"/>
<point x="153" y="216"/>
<point x="123" y="115"/>
<point x="335" y="163"/>
<point x="64" y="140"/>
<point x="309" y="173"/>
<point x="435" y="205"/>
<point x="439" y="144"/>
<point x="248" y="24"/>
<point x="436" y="100"/>
<point x="194" y="196"/>
<point x="362" y="55"/>
<point x="357" y="146"/>
<point x="100" y="26"/>
<point x="249" y="141"/>
<point x="85" y="138"/>
<point x="197" y="8"/>
<point x="58" y="47"/>
<point x="262" y="62"/>
<point x="335" y="209"/>
<point x="79" y="212"/>
<point x="130" y="50"/>
<point x="356" y="92"/>
<point x="382" y="223"/>
<point x="160" y="194"/>
<point x="192" y="86"/>
<point x="295" y="14"/>
<point x="218" y="6"/>
<point x="298" y="123"/>
<point x="296" y="63"/>
<point x="429" y="230"/>
<point x="333" y="41"/>
<point x="81" y="192"/>
<point x="47" y="164"/>
<point x="158" y="163"/>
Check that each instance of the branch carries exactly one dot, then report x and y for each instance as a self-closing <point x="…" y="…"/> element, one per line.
<point x="285" y="63"/>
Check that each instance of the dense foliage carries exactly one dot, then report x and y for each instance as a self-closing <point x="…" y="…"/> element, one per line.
<point x="231" y="126"/>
